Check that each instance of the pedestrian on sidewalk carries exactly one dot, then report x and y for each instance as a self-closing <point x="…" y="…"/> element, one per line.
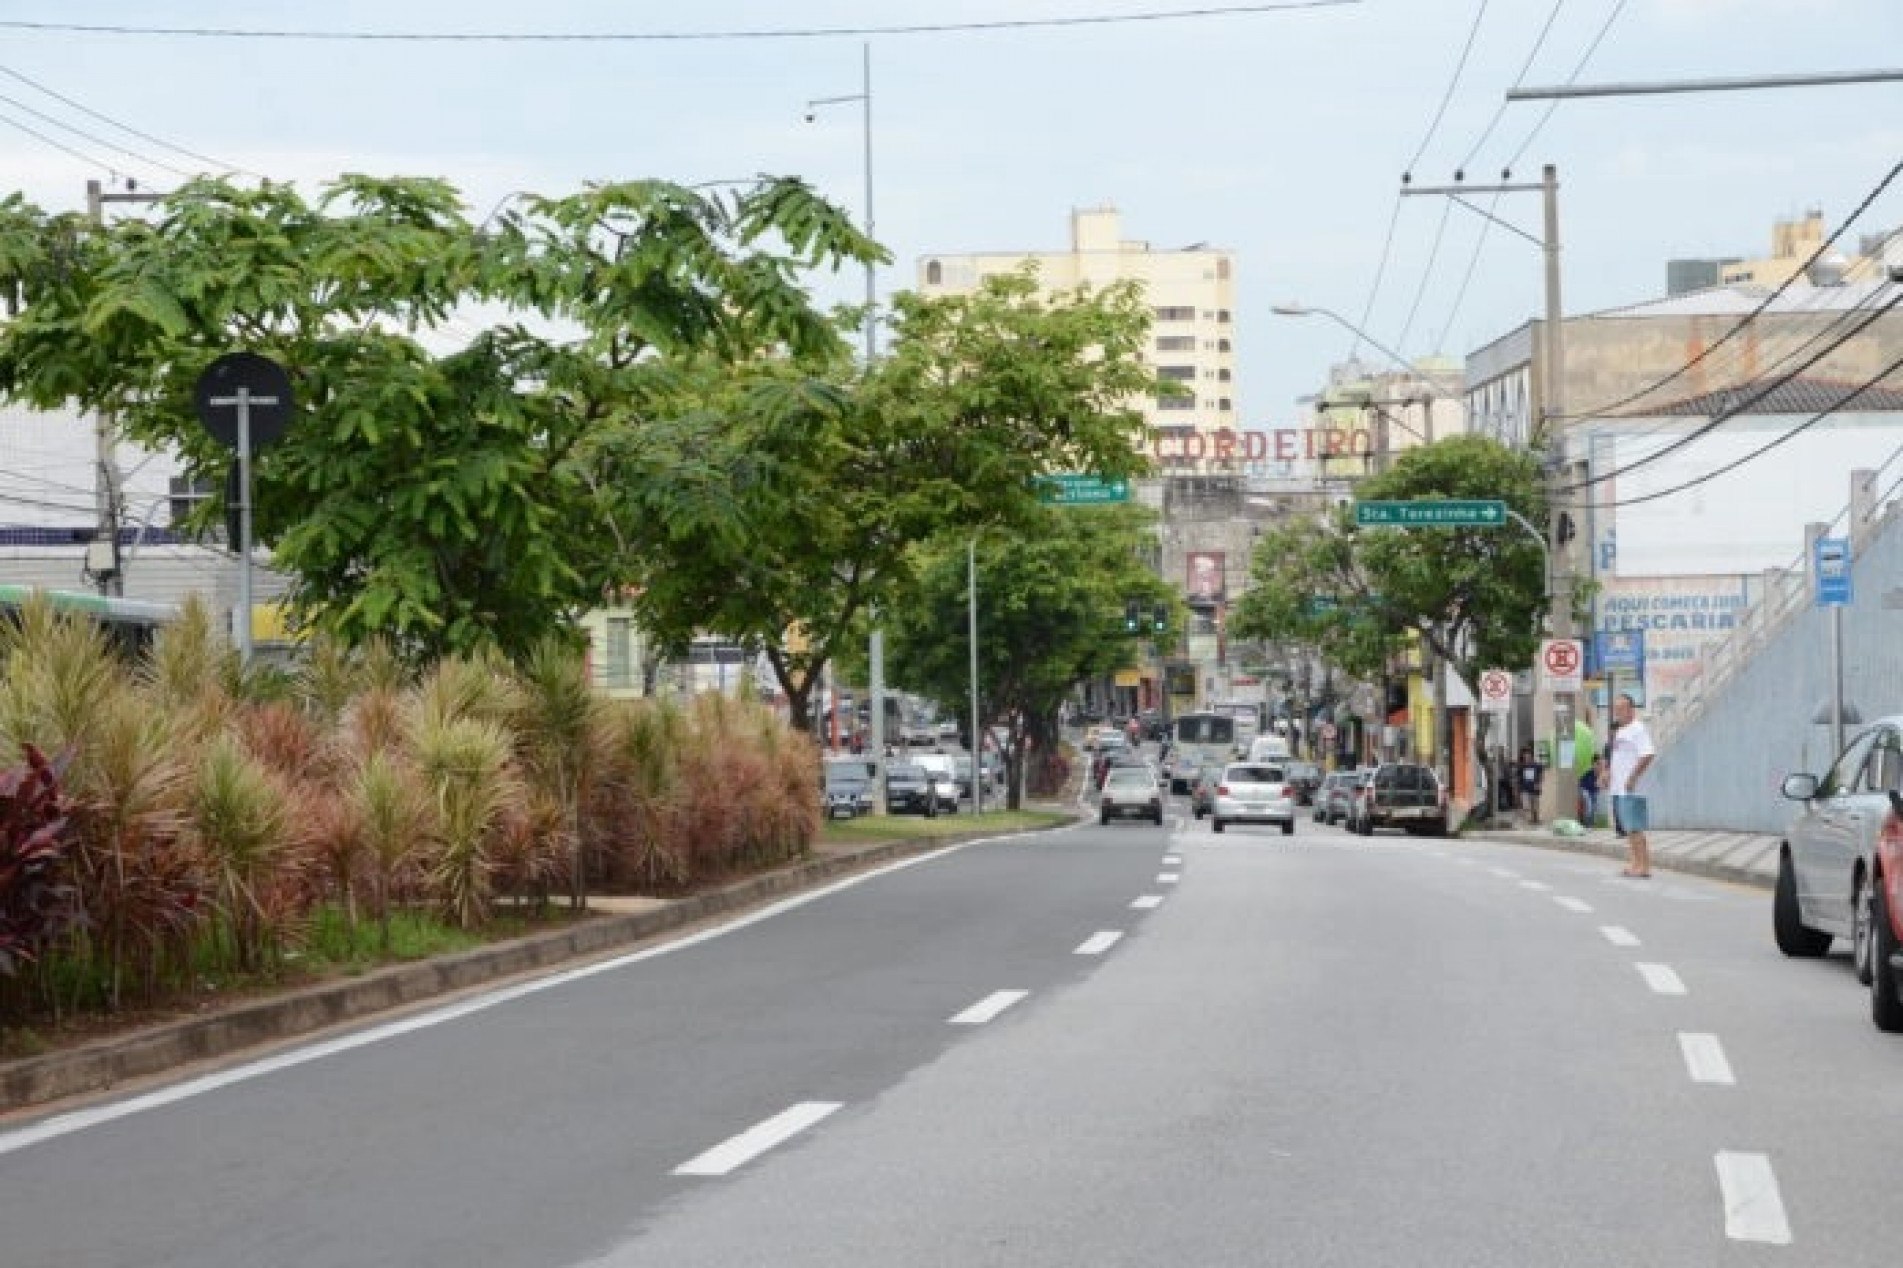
<point x="1590" y="785"/>
<point x="1632" y="754"/>
<point x="1530" y="774"/>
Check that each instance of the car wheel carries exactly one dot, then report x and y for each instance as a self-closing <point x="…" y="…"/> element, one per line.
<point x="1103" y="819"/>
<point x="1216" y="824"/>
<point x="1794" y="937"/>
<point x="1288" y="827"/>
<point x="1157" y="818"/>
<point x="1860" y="929"/>
<point x="1886" y="1009"/>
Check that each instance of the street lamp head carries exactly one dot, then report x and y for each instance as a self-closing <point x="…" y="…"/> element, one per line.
<point x="810" y="116"/>
<point x="1290" y="310"/>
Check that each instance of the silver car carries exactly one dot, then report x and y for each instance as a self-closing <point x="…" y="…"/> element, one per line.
<point x="1824" y="869"/>
<point x="1254" y="792"/>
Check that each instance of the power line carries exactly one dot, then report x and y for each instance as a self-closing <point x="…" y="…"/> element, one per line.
<point x="1755" y="313"/>
<point x="631" y="37"/>
<point x="36" y="134"/>
<point x="96" y="139"/>
<point x="1380" y="271"/>
<point x="1579" y="69"/>
<point x="1723" y="416"/>
<point x="1453" y="82"/>
<point x="127" y="128"/>
<point x="1427" y="274"/>
<point x="1500" y="111"/>
<point x="1768" y="446"/>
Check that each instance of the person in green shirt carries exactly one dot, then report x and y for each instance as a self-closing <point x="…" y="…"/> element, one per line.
<point x="1585" y="750"/>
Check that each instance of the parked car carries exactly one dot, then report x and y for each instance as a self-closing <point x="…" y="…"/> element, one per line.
<point x="1403" y="795"/>
<point x="846" y="789"/>
<point x="1253" y="792"/>
<point x="1354" y="796"/>
<point x="1306" y="779"/>
<point x="908" y="790"/>
<point x="1336" y="798"/>
<point x="1826" y="868"/>
<point x="1886" y="922"/>
<point x="944" y="773"/>
<point x="1130" y="792"/>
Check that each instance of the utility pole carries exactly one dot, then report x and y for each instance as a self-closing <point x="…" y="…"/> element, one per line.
<point x="102" y="561"/>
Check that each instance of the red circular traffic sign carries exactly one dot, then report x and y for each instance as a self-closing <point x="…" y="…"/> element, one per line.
<point x="1561" y="659"/>
<point x="1496" y="684"/>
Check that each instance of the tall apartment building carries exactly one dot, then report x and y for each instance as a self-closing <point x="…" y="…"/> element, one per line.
<point x="1191" y="292"/>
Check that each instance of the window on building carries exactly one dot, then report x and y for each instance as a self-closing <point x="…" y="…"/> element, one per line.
<point x="1223" y="405"/>
<point x="1222" y="269"/>
<point x="1176" y="314"/>
<point x="1176" y="343"/>
<point x="1176" y="373"/>
<point x="1209" y="314"/>
<point x="620" y="667"/>
<point x="1176" y="402"/>
<point x="934" y="274"/>
<point x="1222" y="345"/>
<point x="1222" y="316"/>
<point x="1222" y="376"/>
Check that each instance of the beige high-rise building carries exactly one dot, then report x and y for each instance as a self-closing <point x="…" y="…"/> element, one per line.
<point x="1191" y="292"/>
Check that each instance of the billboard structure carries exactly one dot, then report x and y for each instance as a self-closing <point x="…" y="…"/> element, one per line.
<point x="1207" y="582"/>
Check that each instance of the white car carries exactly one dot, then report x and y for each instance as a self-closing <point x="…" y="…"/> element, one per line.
<point x="1253" y="792"/>
<point x="1824" y="870"/>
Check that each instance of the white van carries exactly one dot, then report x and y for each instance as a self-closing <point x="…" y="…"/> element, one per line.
<point x="1269" y="748"/>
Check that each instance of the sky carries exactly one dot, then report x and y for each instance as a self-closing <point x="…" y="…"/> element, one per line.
<point x="1280" y="136"/>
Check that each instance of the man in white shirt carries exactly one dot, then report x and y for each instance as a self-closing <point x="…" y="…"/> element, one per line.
<point x="1632" y="754"/>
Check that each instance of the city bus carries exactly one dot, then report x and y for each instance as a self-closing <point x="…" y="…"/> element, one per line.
<point x="1199" y="739"/>
<point x="1248" y="718"/>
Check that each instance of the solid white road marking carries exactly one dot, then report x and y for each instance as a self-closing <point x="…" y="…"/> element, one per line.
<point x="1579" y="905"/>
<point x="1754" y="1211"/>
<point x="1148" y="901"/>
<point x="1167" y="878"/>
<point x="81" y="1120"/>
<point x="1661" y="978"/>
<point x="988" y="1007"/>
<point x="1619" y="935"/>
<point x="756" y="1140"/>
<point x="1537" y="886"/>
<point x="1705" y="1058"/>
<point x="1098" y="943"/>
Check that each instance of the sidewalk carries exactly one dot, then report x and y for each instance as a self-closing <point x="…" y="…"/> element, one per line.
<point x="1745" y="858"/>
<point x="620" y="925"/>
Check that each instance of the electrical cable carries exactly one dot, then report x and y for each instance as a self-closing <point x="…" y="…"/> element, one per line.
<point x="1427" y="274"/>
<point x="1500" y="111"/>
<point x="210" y="163"/>
<point x="1453" y="82"/>
<point x="88" y="159"/>
<point x="1719" y="419"/>
<point x="1380" y="272"/>
<point x="96" y="139"/>
<point x="1601" y="411"/>
<point x="630" y="37"/>
<point x="1768" y="446"/>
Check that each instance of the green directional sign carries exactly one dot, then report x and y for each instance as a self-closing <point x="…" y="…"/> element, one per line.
<point x="1431" y="514"/>
<point x="1082" y="490"/>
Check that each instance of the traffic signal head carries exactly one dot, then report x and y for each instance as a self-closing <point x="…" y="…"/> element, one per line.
<point x="1160" y="618"/>
<point x="1132" y="617"/>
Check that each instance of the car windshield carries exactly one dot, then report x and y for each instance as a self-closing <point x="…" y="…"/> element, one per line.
<point x="1253" y="775"/>
<point x="1129" y="776"/>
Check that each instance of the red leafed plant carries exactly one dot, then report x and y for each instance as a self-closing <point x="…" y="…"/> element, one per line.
<point x="38" y="901"/>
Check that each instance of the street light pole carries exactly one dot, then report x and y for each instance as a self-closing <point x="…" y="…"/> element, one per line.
<point x="977" y="737"/>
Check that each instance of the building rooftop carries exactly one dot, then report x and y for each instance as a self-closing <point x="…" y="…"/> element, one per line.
<point x="1736" y="301"/>
<point x="1793" y="396"/>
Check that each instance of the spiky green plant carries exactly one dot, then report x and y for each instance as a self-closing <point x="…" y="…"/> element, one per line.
<point x="479" y="687"/>
<point x="60" y="673"/>
<point x="558" y="740"/>
<point x="464" y="762"/>
<point x="194" y="663"/>
<point x="633" y="811"/>
<point x="236" y="814"/>
<point x="394" y="817"/>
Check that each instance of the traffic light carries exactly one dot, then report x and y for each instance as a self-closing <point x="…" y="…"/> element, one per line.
<point x="1132" y="617"/>
<point x="1160" y="618"/>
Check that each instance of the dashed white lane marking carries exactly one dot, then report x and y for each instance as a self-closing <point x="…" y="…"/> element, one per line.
<point x="1619" y="935"/>
<point x="756" y="1140"/>
<point x="1661" y="978"/>
<point x="1538" y="887"/>
<point x="1579" y="905"/>
<point x="1147" y="901"/>
<point x="1099" y="942"/>
<point x="1504" y="874"/>
<point x="1168" y="878"/>
<point x="1705" y="1058"/>
<point x="1171" y="860"/>
<point x="1754" y="1210"/>
<point x="988" y="1008"/>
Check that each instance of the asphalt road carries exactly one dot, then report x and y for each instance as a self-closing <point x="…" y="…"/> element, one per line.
<point x="1315" y="1050"/>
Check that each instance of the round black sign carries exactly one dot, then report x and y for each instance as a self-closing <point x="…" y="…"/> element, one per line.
<point x="269" y="387"/>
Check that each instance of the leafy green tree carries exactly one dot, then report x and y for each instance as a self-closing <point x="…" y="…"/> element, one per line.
<point x="816" y="482"/>
<point x="1051" y="596"/>
<point x="448" y="500"/>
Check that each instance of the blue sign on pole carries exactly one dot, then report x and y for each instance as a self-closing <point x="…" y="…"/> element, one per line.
<point x="1831" y="568"/>
<point x="1621" y="650"/>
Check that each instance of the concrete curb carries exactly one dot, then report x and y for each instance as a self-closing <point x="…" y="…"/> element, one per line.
<point x="106" y="1064"/>
<point x="1613" y="850"/>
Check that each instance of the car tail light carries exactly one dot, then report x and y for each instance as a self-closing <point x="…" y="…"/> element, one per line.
<point x="1222" y="790"/>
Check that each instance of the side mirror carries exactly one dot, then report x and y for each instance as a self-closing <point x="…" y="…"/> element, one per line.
<point x="1800" y="787"/>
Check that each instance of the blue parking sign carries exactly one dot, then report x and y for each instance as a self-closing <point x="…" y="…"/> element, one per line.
<point x="1831" y="568"/>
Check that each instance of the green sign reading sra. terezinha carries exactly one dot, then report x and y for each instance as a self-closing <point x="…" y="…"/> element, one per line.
<point x="1431" y="514"/>
<point x="1082" y="490"/>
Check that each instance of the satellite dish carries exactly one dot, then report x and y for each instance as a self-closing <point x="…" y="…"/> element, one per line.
<point x="1829" y="271"/>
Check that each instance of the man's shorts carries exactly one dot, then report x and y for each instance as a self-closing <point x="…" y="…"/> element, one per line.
<point x="1628" y="814"/>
